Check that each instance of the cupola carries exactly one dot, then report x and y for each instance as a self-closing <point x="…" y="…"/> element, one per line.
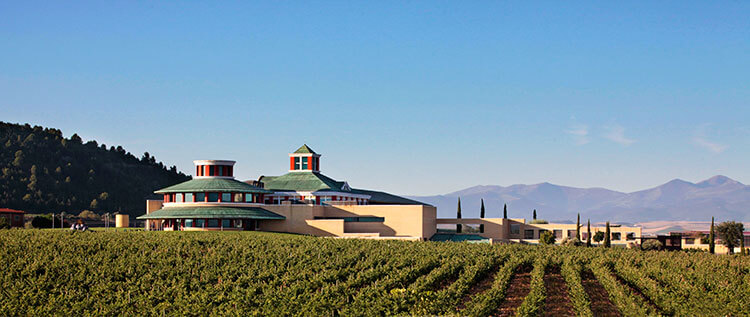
<point x="214" y="169"/>
<point x="304" y="159"/>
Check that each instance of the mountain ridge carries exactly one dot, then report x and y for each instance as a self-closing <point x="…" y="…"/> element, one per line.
<point x="677" y="199"/>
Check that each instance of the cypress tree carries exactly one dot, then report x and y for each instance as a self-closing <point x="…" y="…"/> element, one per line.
<point x="481" y="215"/>
<point x="578" y="227"/>
<point x="458" y="216"/>
<point x="711" y="245"/>
<point x="505" y="211"/>
<point x="534" y="215"/>
<point x="607" y="241"/>
<point x="588" y="229"/>
<point x="742" y="243"/>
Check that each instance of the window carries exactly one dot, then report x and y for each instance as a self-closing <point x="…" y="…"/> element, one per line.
<point x="248" y="198"/>
<point x="584" y="235"/>
<point x="304" y="163"/>
<point x="227" y="197"/>
<point x="17" y="217"/>
<point x="237" y="198"/>
<point x="211" y="170"/>
<point x="616" y="235"/>
<point x="630" y="236"/>
<point x="515" y="228"/>
<point x="690" y="241"/>
<point x="558" y="234"/>
<point x="213" y="223"/>
<point x="238" y="223"/>
<point x="528" y="234"/>
<point x="189" y="223"/>
<point x="199" y="223"/>
<point x="571" y="234"/>
<point x="225" y="223"/>
<point x="315" y="163"/>
<point x="189" y="197"/>
<point x="200" y="197"/>
<point x="213" y="197"/>
<point x="296" y="163"/>
<point x="178" y="198"/>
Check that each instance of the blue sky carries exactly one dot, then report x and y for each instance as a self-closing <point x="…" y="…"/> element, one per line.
<point x="415" y="97"/>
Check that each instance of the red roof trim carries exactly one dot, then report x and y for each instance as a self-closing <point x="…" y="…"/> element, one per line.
<point x="11" y="210"/>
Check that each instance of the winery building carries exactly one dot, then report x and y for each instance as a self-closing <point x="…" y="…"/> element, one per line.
<point x="306" y="201"/>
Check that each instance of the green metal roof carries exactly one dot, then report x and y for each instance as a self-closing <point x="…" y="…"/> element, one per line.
<point x="301" y="181"/>
<point x="212" y="212"/>
<point x="383" y="198"/>
<point x="309" y="181"/>
<point x="304" y="149"/>
<point x="213" y="185"/>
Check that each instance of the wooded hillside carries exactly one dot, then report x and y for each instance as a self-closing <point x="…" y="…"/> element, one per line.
<point x="42" y="171"/>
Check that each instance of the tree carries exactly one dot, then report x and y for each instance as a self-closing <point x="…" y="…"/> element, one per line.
<point x="547" y="238"/>
<point x="742" y="244"/>
<point x="651" y="244"/>
<point x="599" y="236"/>
<point x="481" y="215"/>
<point x="578" y="227"/>
<point x="88" y="215"/>
<point x="458" y="216"/>
<point x="505" y="211"/>
<point x="4" y="224"/>
<point x="588" y="235"/>
<point x="711" y="238"/>
<point x="94" y="204"/>
<point x="41" y="222"/>
<point x="534" y="215"/>
<point x="607" y="237"/>
<point x="730" y="233"/>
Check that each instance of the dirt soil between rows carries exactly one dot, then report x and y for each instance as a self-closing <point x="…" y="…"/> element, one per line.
<point x="557" y="302"/>
<point x="601" y="305"/>
<point x="519" y="287"/>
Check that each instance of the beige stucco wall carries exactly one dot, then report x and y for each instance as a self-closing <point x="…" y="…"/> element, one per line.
<point x="400" y="220"/>
<point x="152" y="205"/>
<point x="499" y="229"/>
<point x="122" y="221"/>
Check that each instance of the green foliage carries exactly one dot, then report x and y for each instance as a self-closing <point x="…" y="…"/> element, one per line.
<point x="458" y="215"/>
<point x="43" y="172"/>
<point x="711" y="238"/>
<point x="652" y="244"/>
<point x="4" y="223"/>
<point x="505" y="211"/>
<point x="58" y="272"/>
<point x="481" y="215"/>
<point x="588" y="235"/>
<point x="570" y="242"/>
<point x="730" y="233"/>
<point x="534" y="215"/>
<point x="598" y="236"/>
<point x="547" y="238"/>
<point x="538" y="221"/>
<point x="607" y="237"/>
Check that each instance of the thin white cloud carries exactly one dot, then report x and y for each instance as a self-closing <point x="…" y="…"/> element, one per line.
<point x="701" y="139"/>
<point x="580" y="134"/>
<point x="616" y="133"/>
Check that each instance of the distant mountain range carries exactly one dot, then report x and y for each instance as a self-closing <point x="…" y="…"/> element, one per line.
<point x="719" y="196"/>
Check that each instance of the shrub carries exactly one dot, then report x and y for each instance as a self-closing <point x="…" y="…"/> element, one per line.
<point x="598" y="236"/>
<point x="547" y="238"/>
<point x="4" y="224"/>
<point x="41" y="222"/>
<point x="538" y="222"/>
<point x="652" y="244"/>
<point x="570" y="242"/>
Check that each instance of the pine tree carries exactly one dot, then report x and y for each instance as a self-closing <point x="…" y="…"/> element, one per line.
<point x="711" y="245"/>
<point x="742" y="243"/>
<point x="481" y="215"/>
<point x="578" y="227"/>
<point x="588" y="229"/>
<point x="505" y="211"/>
<point x="607" y="241"/>
<point x="534" y="215"/>
<point x="458" y="216"/>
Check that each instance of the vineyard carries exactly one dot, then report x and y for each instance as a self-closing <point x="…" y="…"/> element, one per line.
<point x="242" y="273"/>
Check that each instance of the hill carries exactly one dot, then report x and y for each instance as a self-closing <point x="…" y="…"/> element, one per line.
<point x="42" y="171"/>
<point x="718" y="196"/>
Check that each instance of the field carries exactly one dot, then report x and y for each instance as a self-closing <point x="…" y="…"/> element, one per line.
<point x="56" y="272"/>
